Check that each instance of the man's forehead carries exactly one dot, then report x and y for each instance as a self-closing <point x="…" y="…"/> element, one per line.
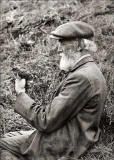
<point x="68" y="42"/>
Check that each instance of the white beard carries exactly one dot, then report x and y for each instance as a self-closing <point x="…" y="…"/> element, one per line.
<point x="64" y="64"/>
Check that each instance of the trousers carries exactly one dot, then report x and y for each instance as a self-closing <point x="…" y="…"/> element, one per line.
<point x="10" y="145"/>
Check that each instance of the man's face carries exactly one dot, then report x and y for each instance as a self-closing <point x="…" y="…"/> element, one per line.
<point x="65" y="62"/>
<point x="64" y="48"/>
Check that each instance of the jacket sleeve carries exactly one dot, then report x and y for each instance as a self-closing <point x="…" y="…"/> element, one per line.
<point x="72" y="98"/>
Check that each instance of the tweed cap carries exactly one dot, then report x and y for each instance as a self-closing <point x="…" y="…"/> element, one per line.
<point x="72" y="30"/>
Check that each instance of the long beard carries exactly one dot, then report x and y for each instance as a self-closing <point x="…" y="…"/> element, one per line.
<point x="64" y="65"/>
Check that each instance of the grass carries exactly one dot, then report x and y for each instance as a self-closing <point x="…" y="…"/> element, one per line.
<point x="25" y="26"/>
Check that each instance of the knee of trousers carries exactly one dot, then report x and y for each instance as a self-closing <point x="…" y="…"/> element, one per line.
<point x="6" y="155"/>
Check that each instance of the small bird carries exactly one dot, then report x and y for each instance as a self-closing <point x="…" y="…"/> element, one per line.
<point x="22" y="74"/>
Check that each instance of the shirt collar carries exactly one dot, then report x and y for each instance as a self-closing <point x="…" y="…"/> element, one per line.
<point x="84" y="59"/>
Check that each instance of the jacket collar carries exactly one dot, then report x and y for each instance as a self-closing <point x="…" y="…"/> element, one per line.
<point x="84" y="59"/>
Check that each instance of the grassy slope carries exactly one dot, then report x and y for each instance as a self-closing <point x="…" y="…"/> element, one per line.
<point x="25" y="26"/>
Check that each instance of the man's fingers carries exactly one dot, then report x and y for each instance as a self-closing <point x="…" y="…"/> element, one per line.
<point x="21" y="82"/>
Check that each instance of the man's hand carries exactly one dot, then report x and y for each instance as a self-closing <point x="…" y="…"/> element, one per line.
<point x="20" y="85"/>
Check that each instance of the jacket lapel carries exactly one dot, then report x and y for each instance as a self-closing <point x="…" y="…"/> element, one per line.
<point x="82" y="61"/>
<point x="85" y="59"/>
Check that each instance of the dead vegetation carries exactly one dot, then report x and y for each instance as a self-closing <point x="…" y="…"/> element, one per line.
<point x="24" y="30"/>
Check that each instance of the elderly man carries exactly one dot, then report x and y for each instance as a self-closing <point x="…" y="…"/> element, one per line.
<point x="68" y="126"/>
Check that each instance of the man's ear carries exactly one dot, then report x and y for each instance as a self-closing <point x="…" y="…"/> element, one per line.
<point x="81" y="44"/>
<point x="90" y="45"/>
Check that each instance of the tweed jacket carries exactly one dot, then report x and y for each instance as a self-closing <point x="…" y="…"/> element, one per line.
<point x="70" y="124"/>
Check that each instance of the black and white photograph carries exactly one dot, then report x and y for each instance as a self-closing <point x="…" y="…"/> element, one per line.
<point x="56" y="79"/>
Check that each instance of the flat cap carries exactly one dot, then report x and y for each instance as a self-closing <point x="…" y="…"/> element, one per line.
<point x="72" y="30"/>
